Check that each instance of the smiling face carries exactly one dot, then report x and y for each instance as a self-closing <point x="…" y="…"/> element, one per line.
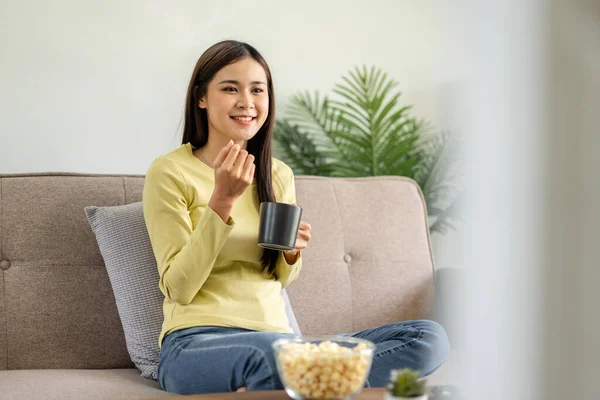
<point x="236" y="101"/>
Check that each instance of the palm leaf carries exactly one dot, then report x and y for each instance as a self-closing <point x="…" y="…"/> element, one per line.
<point x="299" y="150"/>
<point x="444" y="218"/>
<point x="313" y="116"/>
<point x="439" y="172"/>
<point x="366" y="104"/>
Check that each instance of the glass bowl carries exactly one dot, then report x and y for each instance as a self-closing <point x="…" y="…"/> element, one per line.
<point x="323" y="367"/>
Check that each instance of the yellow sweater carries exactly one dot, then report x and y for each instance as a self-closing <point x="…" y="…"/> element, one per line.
<point x="210" y="271"/>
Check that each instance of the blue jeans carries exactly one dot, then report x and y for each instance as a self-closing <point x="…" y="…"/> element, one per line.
<point x="208" y="359"/>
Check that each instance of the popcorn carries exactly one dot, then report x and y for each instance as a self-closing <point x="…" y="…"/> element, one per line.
<point x="325" y="371"/>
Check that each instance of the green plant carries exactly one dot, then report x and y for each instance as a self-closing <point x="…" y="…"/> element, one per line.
<point x="405" y="383"/>
<point x="365" y="132"/>
<point x="439" y="172"/>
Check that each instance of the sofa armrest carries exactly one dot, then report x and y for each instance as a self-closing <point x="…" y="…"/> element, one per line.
<point x="450" y="301"/>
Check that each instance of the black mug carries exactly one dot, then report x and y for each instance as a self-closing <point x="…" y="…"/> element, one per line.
<point x="279" y="223"/>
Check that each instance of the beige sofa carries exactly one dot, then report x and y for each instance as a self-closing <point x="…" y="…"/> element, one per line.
<point x="369" y="263"/>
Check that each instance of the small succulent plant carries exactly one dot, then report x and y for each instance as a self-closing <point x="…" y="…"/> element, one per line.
<point x="406" y="383"/>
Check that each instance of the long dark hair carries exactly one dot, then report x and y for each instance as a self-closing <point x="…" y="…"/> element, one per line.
<point x="195" y="130"/>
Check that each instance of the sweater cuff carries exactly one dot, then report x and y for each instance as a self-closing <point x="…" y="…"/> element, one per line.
<point x="230" y="222"/>
<point x="295" y="261"/>
<point x="211" y="221"/>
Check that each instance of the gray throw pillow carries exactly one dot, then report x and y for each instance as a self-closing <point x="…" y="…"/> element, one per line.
<point x="125" y="247"/>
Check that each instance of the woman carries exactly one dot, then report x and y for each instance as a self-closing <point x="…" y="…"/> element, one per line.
<point x="223" y="307"/>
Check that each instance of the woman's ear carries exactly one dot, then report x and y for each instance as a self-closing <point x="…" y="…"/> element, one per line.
<point x="202" y="100"/>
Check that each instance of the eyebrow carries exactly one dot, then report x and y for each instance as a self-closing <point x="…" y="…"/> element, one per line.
<point x="237" y="82"/>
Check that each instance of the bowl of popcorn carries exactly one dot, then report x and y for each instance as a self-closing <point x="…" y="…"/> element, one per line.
<point x="323" y="367"/>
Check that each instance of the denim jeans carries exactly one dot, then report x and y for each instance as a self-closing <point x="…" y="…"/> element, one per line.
<point x="209" y="359"/>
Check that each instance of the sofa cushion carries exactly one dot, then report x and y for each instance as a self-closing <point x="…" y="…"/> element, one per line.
<point x="67" y="384"/>
<point x="125" y="246"/>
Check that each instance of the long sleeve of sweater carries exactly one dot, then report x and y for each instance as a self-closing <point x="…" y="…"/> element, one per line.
<point x="185" y="253"/>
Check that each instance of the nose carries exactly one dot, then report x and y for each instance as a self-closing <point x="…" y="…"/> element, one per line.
<point x="245" y="101"/>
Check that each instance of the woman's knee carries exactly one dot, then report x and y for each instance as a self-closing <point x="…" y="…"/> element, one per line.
<point x="262" y="374"/>
<point x="246" y="360"/>
<point x="261" y="371"/>
<point x="438" y="335"/>
<point x="434" y="336"/>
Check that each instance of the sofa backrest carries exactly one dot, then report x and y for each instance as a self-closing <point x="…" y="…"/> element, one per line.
<point x="369" y="263"/>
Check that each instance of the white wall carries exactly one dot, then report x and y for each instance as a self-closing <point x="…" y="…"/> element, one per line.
<point x="99" y="86"/>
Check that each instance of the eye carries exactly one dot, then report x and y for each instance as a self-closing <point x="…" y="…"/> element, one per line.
<point x="230" y="89"/>
<point x="257" y="90"/>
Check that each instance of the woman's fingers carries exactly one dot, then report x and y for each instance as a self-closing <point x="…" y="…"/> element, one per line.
<point x="239" y="163"/>
<point x="231" y="157"/>
<point x="300" y="244"/>
<point x="222" y="154"/>
<point x="305" y="225"/>
<point x="304" y="235"/>
<point x="249" y="168"/>
<point x="234" y="171"/>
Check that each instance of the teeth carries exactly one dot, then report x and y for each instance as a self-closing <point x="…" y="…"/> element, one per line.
<point x="244" y="119"/>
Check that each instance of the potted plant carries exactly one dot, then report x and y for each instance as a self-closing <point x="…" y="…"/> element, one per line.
<point x="405" y="384"/>
<point x="363" y="130"/>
